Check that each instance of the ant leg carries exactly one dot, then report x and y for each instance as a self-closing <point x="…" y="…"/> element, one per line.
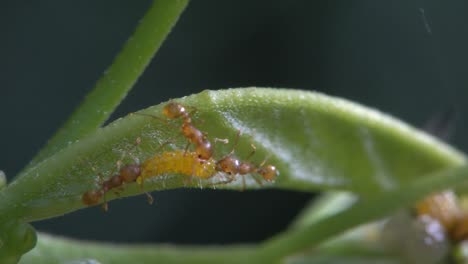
<point x="160" y="147"/>
<point x="165" y="122"/>
<point x="157" y="118"/>
<point x="259" y="182"/>
<point x="186" y="148"/>
<point x="100" y="182"/>
<point x="236" y="141"/>
<point x="194" y="109"/>
<point x="129" y="152"/>
<point x="164" y="144"/>
<point x="117" y="192"/>
<point x="98" y="174"/>
<point x="100" y="177"/>
<point x="105" y="206"/>
<point x="252" y="152"/>
<point x="118" y="165"/>
<point x="229" y="180"/>
<point x="243" y="183"/>
<point x="264" y="161"/>
<point x="149" y="197"/>
<point x="189" y="180"/>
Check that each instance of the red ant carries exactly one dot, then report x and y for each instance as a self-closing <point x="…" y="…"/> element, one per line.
<point x="203" y="146"/>
<point x="127" y="174"/>
<point x="233" y="166"/>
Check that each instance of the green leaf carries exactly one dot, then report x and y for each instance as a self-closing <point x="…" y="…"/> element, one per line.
<point x="3" y="179"/>
<point x="307" y="237"/>
<point x="362" y="243"/>
<point x="364" y="210"/>
<point x="52" y="250"/>
<point x="317" y="142"/>
<point x="341" y="259"/>
<point x="114" y="85"/>
<point x="326" y="205"/>
<point x="358" y="245"/>
<point x="55" y="250"/>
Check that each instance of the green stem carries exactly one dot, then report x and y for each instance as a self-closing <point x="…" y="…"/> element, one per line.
<point x="52" y="249"/>
<point x="371" y="209"/>
<point x="119" y="78"/>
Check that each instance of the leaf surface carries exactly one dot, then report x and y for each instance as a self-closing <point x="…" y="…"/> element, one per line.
<point x="317" y="142"/>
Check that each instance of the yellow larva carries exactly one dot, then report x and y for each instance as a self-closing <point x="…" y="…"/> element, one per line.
<point x="177" y="162"/>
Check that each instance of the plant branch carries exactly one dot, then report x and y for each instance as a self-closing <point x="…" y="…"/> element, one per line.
<point x="115" y="83"/>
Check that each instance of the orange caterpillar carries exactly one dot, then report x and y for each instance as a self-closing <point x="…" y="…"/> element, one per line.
<point x="189" y="164"/>
<point x="177" y="162"/>
<point x="199" y="163"/>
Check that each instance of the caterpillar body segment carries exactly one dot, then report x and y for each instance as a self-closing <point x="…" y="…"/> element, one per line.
<point x="177" y="162"/>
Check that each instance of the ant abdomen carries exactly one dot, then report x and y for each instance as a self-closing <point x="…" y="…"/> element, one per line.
<point x="204" y="150"/>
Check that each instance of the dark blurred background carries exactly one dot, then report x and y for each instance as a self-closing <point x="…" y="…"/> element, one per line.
<point x="404" y="57"/>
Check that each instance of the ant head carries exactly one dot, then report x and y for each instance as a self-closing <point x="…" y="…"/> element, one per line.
<point x="92" y="197"/>
<point x="228" y="165"/>
<point x="268" y="172"/>
<point x="130" y="172"/>
<point x="174" y="110"/>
